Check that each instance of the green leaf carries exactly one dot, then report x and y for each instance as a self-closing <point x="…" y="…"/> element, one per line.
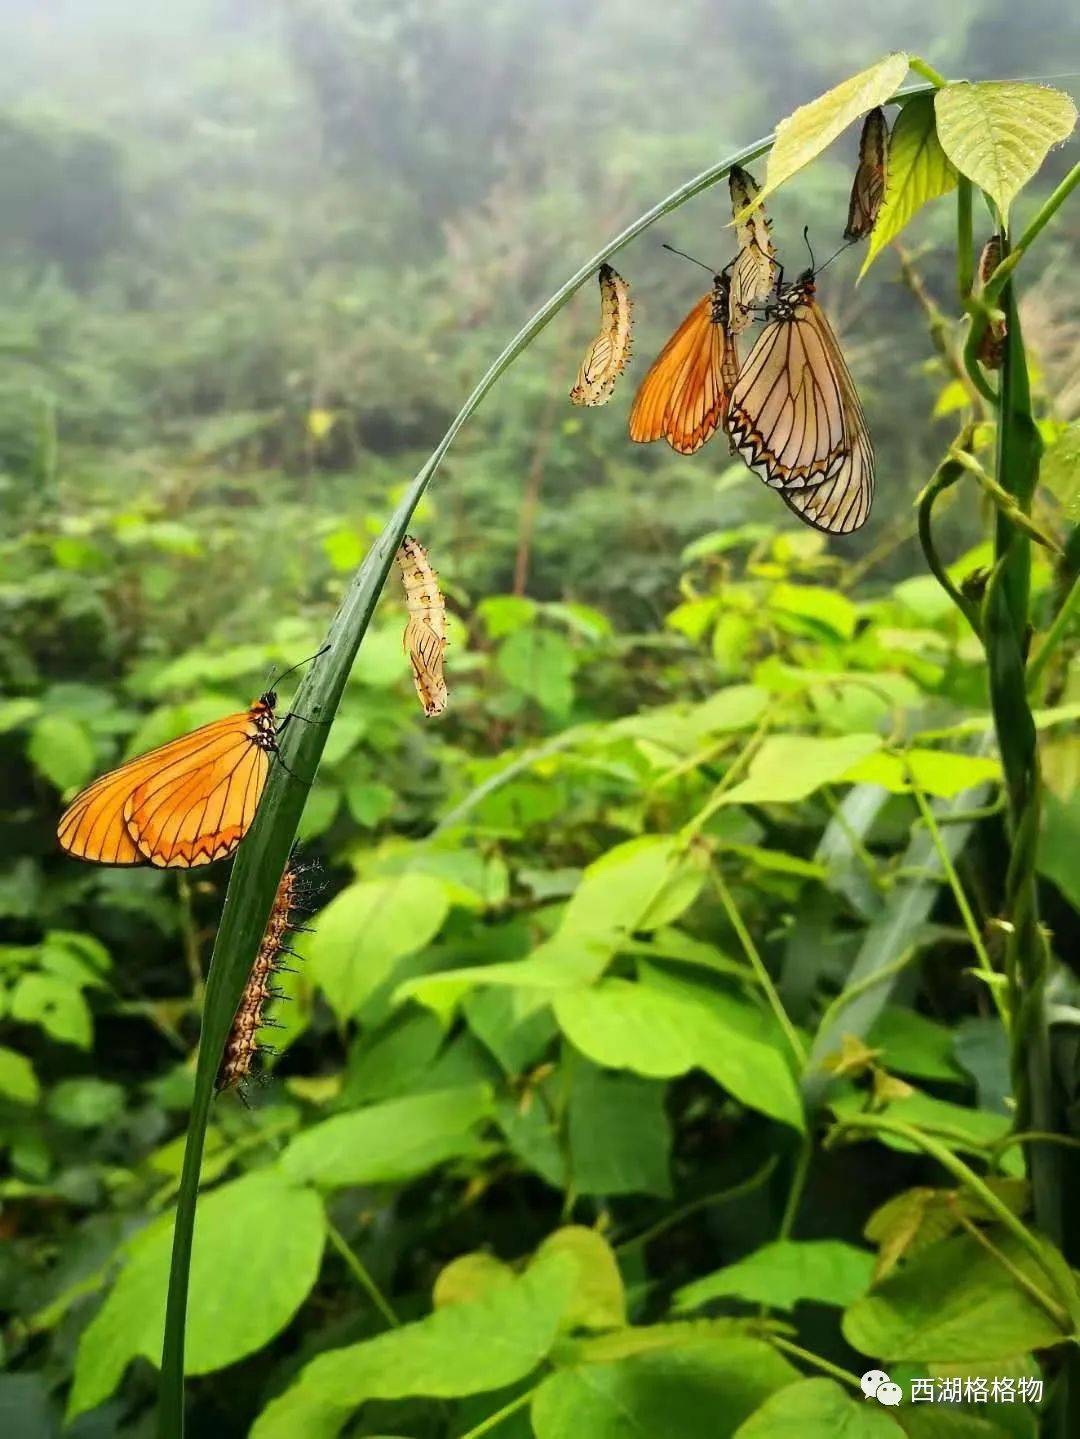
<point x="366" y="929"/>
<point x="789" y="767"/>
<point x="55" y="1006"/>
<point x="470" y="1277"/>
<point x="1059" y="472"/>
<point x="817" y="1409"/>
<point x="86" y="1103"/>
<point x="998" y="133"/>
<point x="918" y="171"/>
<point x="392" y="1061"/>
<point x="619" y="1133"/>
<point x="18" y="1081"/>
<point x="641" y="884"/>
<point x="599" y="1299"/>
<point x="935" y="772"/>
<point x="563" y="962"/>
<point x="540" y="664"/>
<point x="258" y="1247"/>
<point x="1059" y="845"/>
<point x="391" y="1142"/>
<point x="780" y="1274"/>
<point x="465" y="1348"/>
<point x="369" y="803"/>
<point x="971" y="1129"/>
<point x="14" y="713"/>
<point x="912" y="1044"/>
<point x="953" y="1302"/>
<point x="701" y="1391"/>
<point x="503" y="614"/>
<point x="62" y="750"/>
<point x="811" y="128"/>
<point x="825" y="608"/>
<point x="623" y="1025"/>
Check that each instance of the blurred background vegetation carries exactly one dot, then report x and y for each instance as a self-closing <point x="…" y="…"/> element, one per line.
<point x="252" y="256"/>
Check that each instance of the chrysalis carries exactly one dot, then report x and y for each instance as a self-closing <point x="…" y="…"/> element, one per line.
<point x="606" y="357"/>
<point x="242" y="1044"/>
<point x="425" y="632"/>
<point x="755" y="267"/>
<point x="992" y="345"/>
<point x="868" y="187"/>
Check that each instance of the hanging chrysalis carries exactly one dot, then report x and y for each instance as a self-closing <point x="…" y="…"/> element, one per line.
<point x="868" y="187"/>
<point x="425" y="632"/>
<point x="242" y="1044"/>
<point x="992" y="345"/>
<point x="755" y="266"/>
<point x="606" y="357"/>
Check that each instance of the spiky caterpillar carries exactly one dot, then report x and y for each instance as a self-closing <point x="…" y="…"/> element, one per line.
<point x="242" y="1044"/>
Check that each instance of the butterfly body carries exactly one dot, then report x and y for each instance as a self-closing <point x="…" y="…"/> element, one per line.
<point x="795" y="415"/>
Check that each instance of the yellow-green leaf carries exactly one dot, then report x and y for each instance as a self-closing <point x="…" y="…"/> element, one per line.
<point x="811" y="128"/>
<point x="998" y="133"/>
<point x="918" y="171"/>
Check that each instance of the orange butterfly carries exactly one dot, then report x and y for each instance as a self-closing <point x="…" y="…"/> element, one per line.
<point x="183" y="804"/>
<point x="684" y="397"/>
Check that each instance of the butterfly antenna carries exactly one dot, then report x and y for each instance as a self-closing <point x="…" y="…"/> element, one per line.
<point x="845" y="246"/>
<point x="810" y="252"/>
<point x="691" y="258"/>
<point x="299" y="665"/>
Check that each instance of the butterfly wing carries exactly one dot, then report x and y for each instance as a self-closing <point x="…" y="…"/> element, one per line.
<point x="796" y="419"/>
<point x="683" y="398"/>
<point x="178" y="805"/>
<point x="868" y="187"/>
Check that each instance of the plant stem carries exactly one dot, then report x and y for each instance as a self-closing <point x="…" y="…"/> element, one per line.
<point x="965" y="240"/>
<point x="1005" y="502"/>
<point x="764" y="978"/>
<point x="985" y="963"/>
<point x="1017" y="1275"/>
<point x="815" y="1360"/>
<point x="927" y="71"/>
<point x="706" y="1201"/>
<point x="946" y="475"/>
<point x="486" y="1425"/>
<point x="361" y="1275"/>
<point x="798" y="1185"/>
<point x="877" y="1123"/>
<point x="846" y="996"/>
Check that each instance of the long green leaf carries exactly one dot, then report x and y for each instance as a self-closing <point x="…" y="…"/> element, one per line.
<point x="263" y="855"/>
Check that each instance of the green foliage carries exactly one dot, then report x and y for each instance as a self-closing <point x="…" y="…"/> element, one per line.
<point x="599" y="959"/>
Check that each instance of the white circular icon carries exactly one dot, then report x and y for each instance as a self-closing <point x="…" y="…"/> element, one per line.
<point x="872" y="1380"/>
<point x="888" y="1393"/>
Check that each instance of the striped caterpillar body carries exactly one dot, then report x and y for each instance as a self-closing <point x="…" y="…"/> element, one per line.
<point x="868" y="187"/>
<point x="752" y="276"/>
<point x="425" y="631"/>
<point x="606" y="357"/>
<point x="991" y="349"/>
<point x="242" y="1044"/>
